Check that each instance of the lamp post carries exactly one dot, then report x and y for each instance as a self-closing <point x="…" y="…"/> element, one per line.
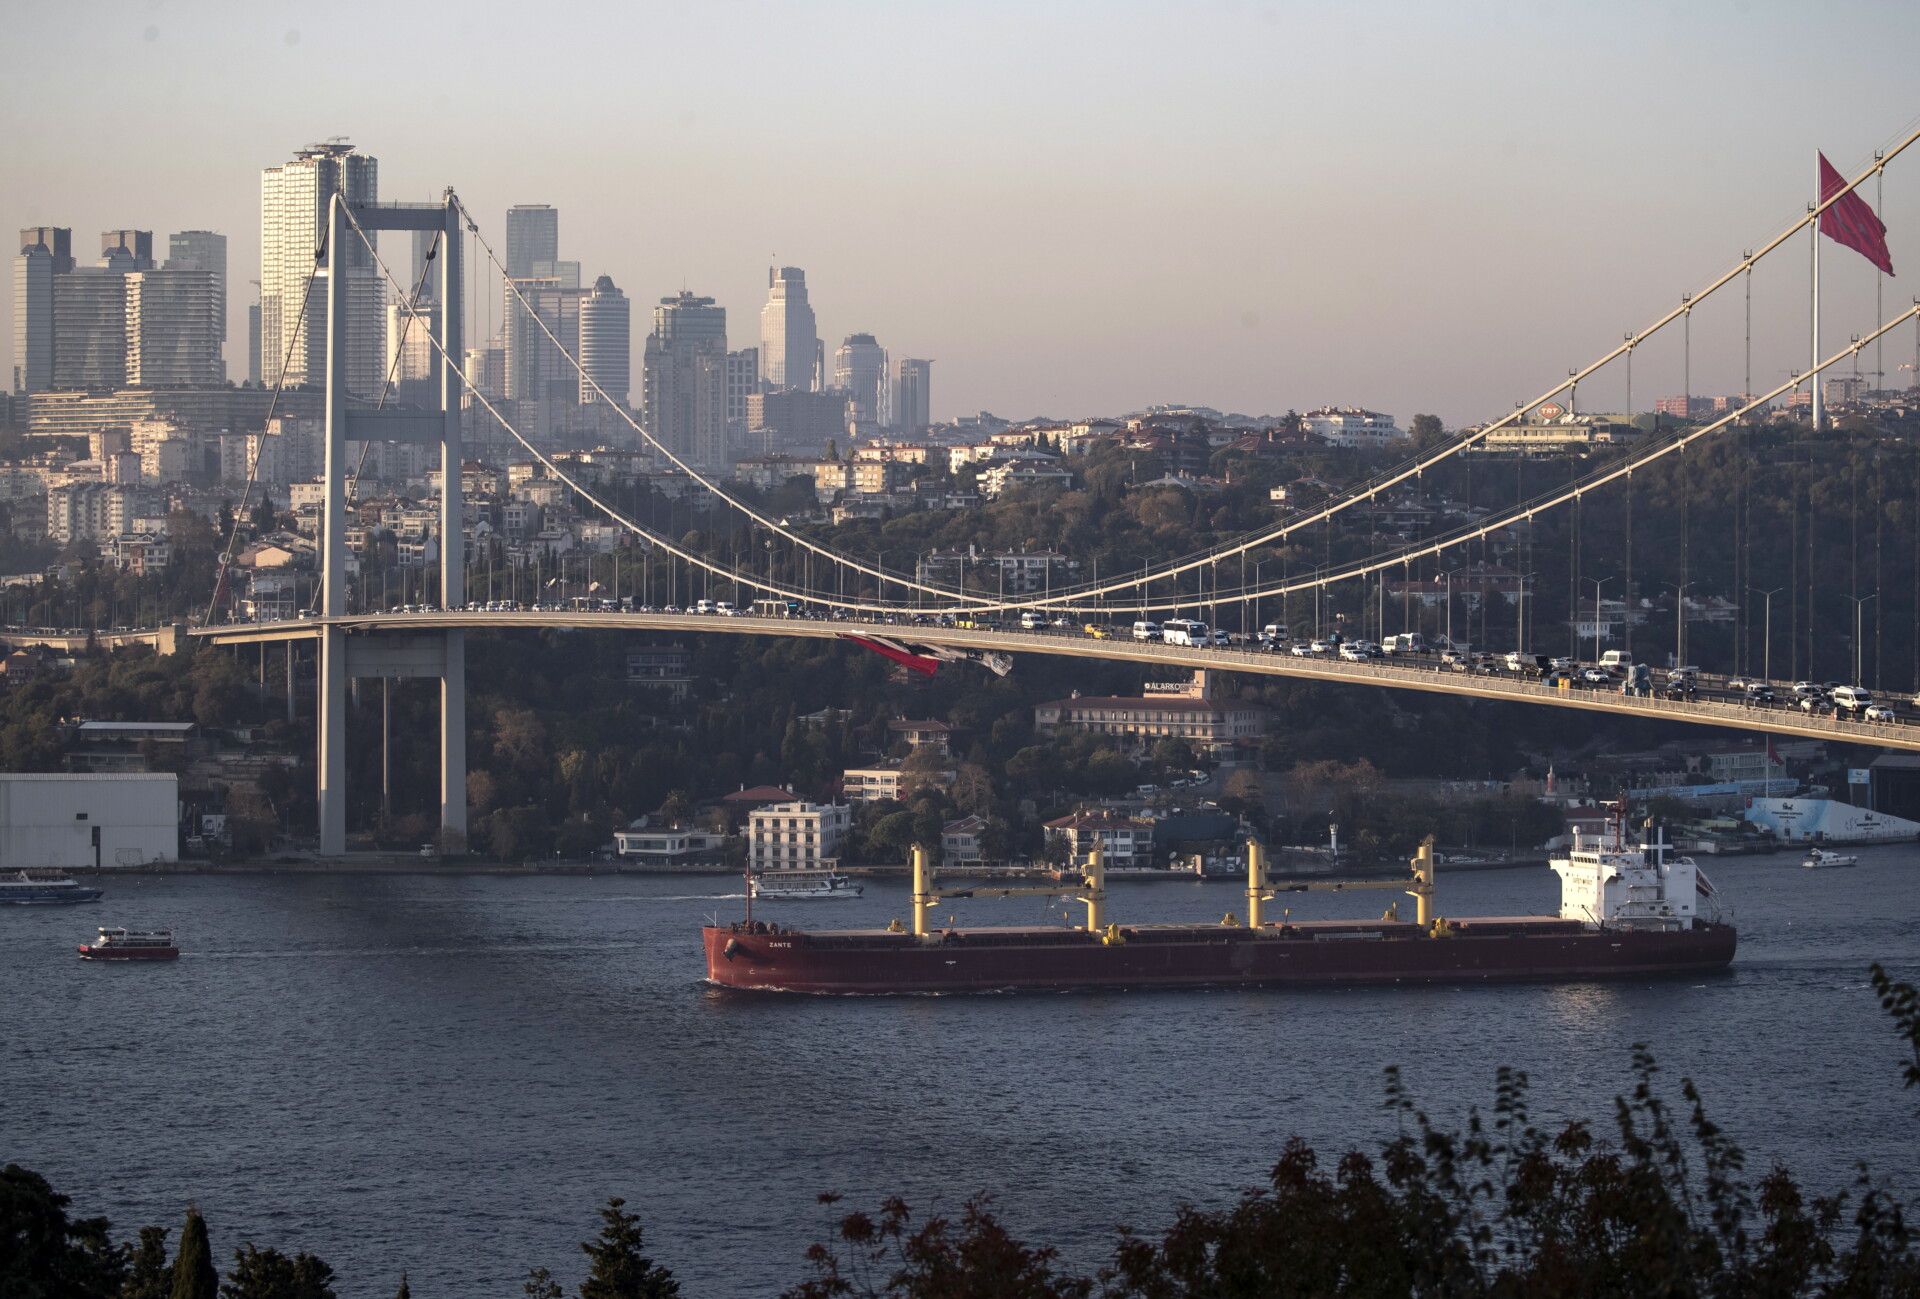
<point x="1448" y="575"/>
<point x="1859" y="603"/>
<point x="1596" y="583"/>
<point x="1257" y="564"/>
<point x="1679" y="621"/>
<point x="1766" y="647"/>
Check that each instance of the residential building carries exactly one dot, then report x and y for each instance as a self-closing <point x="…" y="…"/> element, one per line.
<point x="794" y="421"/>
<point x="1001" y="475"/>
<point x="797" y="835"/>
<point x="743" y="380"/>
<point x="606" y="343"/>
<point x="138" y="553"/>
<point x="683" y="381"/>
<point x="870" y="784"/>
<point x="94" y="511"/>
<point x="1567" y="435"/>
<point x="294" y="200"/>
<point x="960" y="841"/>
<point x="911" y="399"/>
<point x="661" y="667"/>
<point x="1027" y="571"/>
<point x="665" y="847"/>
<point x="789" y="341"/>
<point x="1351" y="427"/>
<point x="1126" y="842"/>
<point x="928" y="734"/>
<point x="1208" y="723"/>
<point x="175" y="326"/>
<point x="204" y="250"/>
<point x="860" y="370"/>
<point x="90" y="327"/>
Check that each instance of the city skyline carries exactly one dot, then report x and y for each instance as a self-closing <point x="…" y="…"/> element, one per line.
<point x="1219" y="247"/>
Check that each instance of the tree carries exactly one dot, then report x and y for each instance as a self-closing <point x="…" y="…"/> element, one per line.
<point x="405" y="1291"/>
<point x="618" y="1269"/>
<point x="269" y="1274"/>
<point x="149" y="1276"/>
<point x="193" y="1272"/>
<point x="46" y="1255"/>
<point x="1426" y="429"/>
<point x="894" y="832"/>
<point x="541" y="1285"/>
<point x="676" y="809"/>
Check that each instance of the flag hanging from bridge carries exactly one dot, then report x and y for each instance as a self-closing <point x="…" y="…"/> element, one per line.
<point x="1851" y="222"/>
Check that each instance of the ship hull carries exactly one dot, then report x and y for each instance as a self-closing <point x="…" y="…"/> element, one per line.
<point x="129" y="953"/>
<point x="998" y="960"/>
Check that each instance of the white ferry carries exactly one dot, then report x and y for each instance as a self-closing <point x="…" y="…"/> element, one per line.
<point x="788" y="886"/>
<point x="1821" y="859"/>
<point x="44" y="888"/>
<point x="131" y="945"/>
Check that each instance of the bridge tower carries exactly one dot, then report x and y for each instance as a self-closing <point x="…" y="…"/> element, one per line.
<point x="345" y="656"/>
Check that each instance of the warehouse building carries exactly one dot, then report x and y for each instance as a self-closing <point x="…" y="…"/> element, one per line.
<point x="72" y="821"/>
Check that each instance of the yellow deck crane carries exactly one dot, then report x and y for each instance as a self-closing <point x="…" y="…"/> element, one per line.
<point x="1091" y="893"/>
<point x="1261" y="891"/>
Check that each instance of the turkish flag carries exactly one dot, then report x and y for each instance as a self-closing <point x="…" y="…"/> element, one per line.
<point x="1851" y="222"/>
<point x="898" y="653"/>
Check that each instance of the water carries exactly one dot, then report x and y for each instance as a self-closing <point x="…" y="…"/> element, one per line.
<point x="450" y="1074"/>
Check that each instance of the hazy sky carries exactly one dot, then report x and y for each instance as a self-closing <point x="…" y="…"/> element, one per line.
<point x="1073" y="208"/>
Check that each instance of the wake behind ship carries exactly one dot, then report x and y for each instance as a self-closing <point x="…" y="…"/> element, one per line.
<point x="1624" y="911"/>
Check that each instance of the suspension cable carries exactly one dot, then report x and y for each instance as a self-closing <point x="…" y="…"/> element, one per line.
<point x="259" y="448"/>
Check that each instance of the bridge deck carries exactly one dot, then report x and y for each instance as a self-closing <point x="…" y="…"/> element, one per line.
<point x="1397" y="675"/>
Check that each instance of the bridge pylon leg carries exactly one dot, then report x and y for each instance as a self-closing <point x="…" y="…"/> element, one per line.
<point x="332" y="725"/>
<point x="453" y="745"/>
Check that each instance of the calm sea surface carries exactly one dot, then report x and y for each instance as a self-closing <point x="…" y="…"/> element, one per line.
<point x="449" y="1075"/>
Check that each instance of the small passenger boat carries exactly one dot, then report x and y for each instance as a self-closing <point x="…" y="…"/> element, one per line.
<point x="789" y="886"/>
<point x="43" y="888"/>
<point x="131" y="945"/>
<point x="1821" y="859"/>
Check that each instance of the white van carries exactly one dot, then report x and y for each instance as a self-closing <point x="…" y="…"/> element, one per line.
<point x="725" y="609"/>
<point x="704" y="606"/>
<point x="1146" y="631"/>
<point x="1853" y="699"/>
<point x="1183" y="631"/>
<point x="1616" y="659"/>
<point x="1032" y="621"/>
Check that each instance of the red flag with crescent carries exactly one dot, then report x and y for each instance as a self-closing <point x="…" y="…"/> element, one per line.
<point x="1851" y="222"/>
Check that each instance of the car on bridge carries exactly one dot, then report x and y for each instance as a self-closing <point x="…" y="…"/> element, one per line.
<point x="1595" y="677"/>
<point x="1301" y="649"/>
<point x="1759" y="694"/>
<point x="1880" y="713"/>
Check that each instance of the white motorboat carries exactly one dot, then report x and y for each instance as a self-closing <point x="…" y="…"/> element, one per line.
<point x="788" y="886"/>
<point x="1821" y="859"/>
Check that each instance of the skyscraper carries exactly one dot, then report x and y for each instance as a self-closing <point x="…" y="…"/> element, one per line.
<point x="533" y="235"/>
<point x="606" y="343"/>
<point x="789" y="341"/>
<point x="411" y="358"/>
<point x="912" y="405"/>
<point x="90" y="316"/>
<point x="204" y="250"/>
<point x="683" y="380"/>
<point x="45" y="252"/>
<point x="294" y="198"/>
<point x="860" y="367"/>
<point x="743" y="380"/>
<point x="175" y="327"/>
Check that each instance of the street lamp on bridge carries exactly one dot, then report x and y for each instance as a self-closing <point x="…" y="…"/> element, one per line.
<point x="1859" y="603"/>
<point x="1766" y="645"/>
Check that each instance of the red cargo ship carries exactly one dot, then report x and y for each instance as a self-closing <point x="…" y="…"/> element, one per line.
<point x="1624" y="911"/>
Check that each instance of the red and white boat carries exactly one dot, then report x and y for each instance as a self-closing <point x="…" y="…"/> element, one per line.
<point x="131" y="945"/>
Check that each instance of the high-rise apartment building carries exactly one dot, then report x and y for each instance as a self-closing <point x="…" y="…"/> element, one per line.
<point x="254" y="368"/>
<point x="860" y="368"/>
<point x="90" y="325"/>
<point x="45" y="252"/>
<point x="411" y="359"/>
<point x="743" y="381"/>
<point x="683" y="380"/>
<point x="294" y="198"/>
<point x="789" y="341"/>
<point x="205" y="250"/>
<point x="126" y="250"/>
<point x="606" y="343"/>
<point x="912" y="404"/>
<point x="175" y="327"/>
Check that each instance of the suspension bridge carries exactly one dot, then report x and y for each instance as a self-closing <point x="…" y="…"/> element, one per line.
<point x="353" y="639"/>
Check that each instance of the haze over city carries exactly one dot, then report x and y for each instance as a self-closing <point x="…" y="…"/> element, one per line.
<point x="1074" y="209"/>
